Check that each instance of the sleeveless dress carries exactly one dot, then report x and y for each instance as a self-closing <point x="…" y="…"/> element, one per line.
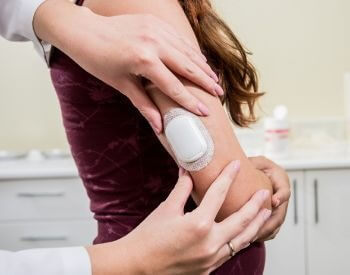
<point x="126" y="171"/>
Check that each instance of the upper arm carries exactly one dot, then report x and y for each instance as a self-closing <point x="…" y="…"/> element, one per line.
<point x="227" y="147"/>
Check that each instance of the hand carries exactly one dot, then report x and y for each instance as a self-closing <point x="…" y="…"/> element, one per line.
<point x="280" y="197"/>
<point x="171" y="242"/>
<point x="198" y="243"/>
<point x="121" y="50"/>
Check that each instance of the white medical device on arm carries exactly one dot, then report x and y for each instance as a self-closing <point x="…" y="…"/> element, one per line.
<point x="188" y="138"/>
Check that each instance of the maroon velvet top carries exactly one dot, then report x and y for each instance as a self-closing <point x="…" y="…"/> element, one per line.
<point x="126" y="171"/>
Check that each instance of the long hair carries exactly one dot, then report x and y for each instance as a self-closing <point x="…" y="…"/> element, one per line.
<point x="228" y="59"/>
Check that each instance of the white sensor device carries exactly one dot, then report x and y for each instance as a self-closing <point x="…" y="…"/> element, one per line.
<point x="185" y="138"/>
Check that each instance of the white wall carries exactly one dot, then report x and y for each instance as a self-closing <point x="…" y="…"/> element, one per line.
<point x="301" y="49"/>
<point x="29" y="111"/>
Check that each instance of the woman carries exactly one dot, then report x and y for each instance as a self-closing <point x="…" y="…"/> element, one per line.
<point x="110" y="140"/>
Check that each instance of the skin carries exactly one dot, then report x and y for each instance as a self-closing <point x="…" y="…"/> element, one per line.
<point x="171" y="242"/>
<point x="121" y="66"/>
<point x="280" y="198"/>
<point x="227" y="147"/>
<point x="74" y="24"/>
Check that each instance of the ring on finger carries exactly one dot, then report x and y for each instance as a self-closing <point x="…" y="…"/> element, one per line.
<point x="232" y="250"/>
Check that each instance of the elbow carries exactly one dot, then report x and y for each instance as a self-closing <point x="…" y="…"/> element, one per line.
<point x="242" y="190"/>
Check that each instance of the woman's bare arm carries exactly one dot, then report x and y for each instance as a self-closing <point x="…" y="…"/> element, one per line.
<point x="226" y="144"/>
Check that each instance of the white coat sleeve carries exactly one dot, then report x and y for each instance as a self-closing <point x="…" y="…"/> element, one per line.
<point x="16" y="22"/>
<point x="46" y="261"/>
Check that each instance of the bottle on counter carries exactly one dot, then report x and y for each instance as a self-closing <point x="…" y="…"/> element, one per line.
<point x="276" y="133"/>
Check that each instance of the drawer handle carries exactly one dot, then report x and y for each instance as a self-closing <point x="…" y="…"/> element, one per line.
<point x="43" y="239"/>
<point x="317" y="215"/>
<point x="40" y="194"/>
<point x="295" y="202"/>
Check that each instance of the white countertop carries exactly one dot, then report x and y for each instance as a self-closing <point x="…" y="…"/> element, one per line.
<point x="314" y="162"/>
<point x="313" y="159"/>
<point x="21" y="169"/>
<point x="53" y="168"/>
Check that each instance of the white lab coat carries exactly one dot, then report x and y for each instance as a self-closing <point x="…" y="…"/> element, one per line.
<point x="16" y="17"/>
<point x="16" y="23"/>
<point x="46" y="261"/>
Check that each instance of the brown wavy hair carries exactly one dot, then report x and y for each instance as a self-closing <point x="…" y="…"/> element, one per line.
<point x="228" y="59"/>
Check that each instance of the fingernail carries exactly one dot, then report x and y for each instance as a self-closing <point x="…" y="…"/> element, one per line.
<point x="181" y="171"/>
<point x="214" y="76"/>
<point x="237" y="165"/>
<point x="266" y="214"/>
<point x="219" y="90"/>
<point x="264" y="194"/>
<point x="156" y="128"/>
<point x="273" y="203"/>
<point x="203" y="109"/>
<point x="277" y="202"/>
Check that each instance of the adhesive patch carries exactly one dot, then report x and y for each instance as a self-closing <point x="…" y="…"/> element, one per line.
<point x="189" y="139"/>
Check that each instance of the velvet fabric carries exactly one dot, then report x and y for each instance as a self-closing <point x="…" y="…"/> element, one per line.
<point x="126" y="171"/>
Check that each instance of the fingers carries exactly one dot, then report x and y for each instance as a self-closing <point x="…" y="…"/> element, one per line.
<point x="182" y="190"/>
<point x="280" y="186"/>
<point x="248" y="234"/>
<point x="188" y="62"/>
<point x="185" y="46"/>
<point x="144" y="104"/>
<point x="170" y="30"/>
<point x="281" y="196"/>
<point x="268" y="237"/>
<point x="216" y="194"/>
<point x="244" y="239"/>
<point x="170" y="85"/>
<point x="278" y="177"/>
<point x="238" y="221"/>
<point x="193" y="69"/>
<point x="273" y="235"/>
<point x="222" y="256"/>
<point x="261" y="163"/>
<point x="189" y="52"/>
<point x="274" y="222"/>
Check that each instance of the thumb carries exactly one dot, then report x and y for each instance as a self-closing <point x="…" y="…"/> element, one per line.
<point x="181" y="192"/>
<point x="139" y="97"/>
<point x="261" y="163"/>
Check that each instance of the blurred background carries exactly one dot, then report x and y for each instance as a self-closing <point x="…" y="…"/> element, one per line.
<point x="301" y="49"/>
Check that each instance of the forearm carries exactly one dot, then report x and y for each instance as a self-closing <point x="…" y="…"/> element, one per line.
<point x="116" y="257"/>
<point x="227" y="147"/>
<point x="58" y="22"/>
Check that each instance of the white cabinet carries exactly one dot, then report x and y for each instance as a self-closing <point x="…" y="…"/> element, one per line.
<point x="25" y="235"/>
<point x="315" y="237"/>
<point x="328" y="221"/>
<point x="48" y="199"/>
<point x="46" y="212"/>
<point x="285" y="254"/>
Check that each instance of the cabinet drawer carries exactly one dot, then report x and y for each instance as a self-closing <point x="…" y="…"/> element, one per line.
<point x="43" y="199"/>
<point x="26" y="235"/>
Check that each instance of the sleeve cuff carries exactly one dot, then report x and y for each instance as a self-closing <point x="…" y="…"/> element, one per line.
<point x="75" y="260"/>
<point x="25" y="18"/>
<point x="44" y="261"/>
